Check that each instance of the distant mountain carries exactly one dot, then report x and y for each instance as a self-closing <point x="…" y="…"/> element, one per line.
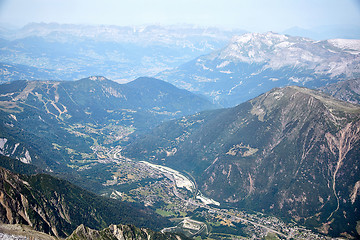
<point x="52" y="124"/>
<point x="72" y="52"/>
<point x="253" y="63"/>
<point x="301" y="32"/>
<point x="291" y="152"/>
<point x="124" y="232"/>
<point x="348" y="90"/>
<point x="57" y="207"/>
<point x="326" y="32"/>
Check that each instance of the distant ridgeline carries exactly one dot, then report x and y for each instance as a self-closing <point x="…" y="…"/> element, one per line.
<point x="292" y="152"/>
<point x="53" y="51"/>
<point x="253" y="63"/>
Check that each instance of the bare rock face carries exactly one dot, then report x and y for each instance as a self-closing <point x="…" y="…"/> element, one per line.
<point x="120" y="232"/>
<point x="292" y="152"/>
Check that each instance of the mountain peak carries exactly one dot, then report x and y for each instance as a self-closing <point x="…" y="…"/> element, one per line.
<point x="97" y="78"/>
<point x="298" y="94"/>
<point x="268" y="38"/>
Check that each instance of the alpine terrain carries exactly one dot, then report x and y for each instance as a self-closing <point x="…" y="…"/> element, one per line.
<point x="292" y="152"/>
<point x="57" y="207"/>
<point x="90" y="158"/>
<point x="57" y="125"/>
<point x="348" y="90"/>
<point x="254" y="63"/>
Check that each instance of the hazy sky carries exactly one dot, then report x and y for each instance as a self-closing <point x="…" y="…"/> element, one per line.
<point x="253" y="15"/>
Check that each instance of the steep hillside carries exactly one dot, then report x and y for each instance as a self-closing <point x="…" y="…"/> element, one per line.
<point x="56" y="124"/>
<point x="286" y="152"/>
<point x="348" y="90"/>
<point x="254" y="63"/>
<point x="57" y="207"/>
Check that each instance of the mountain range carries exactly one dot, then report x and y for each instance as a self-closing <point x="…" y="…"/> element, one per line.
<point x="276" y="152"/>
<point x="51" y="124"/>
<point x="254" y="63"/>
<point x="291" y="152"/>
<point x="326" y="32"/>
<point x="71" y="52"/>
<point x="283" y="153"/>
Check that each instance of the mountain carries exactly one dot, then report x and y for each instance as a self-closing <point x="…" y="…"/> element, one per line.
<point x="71" y="52"/>
<point x="56" y="207"/>
<point x="125" y="232"/>
<point x="348" y="90"/>
<point x="291" y="152"/>
<point x="301" y="32"/>
<point x="254" y="63"/>
<point x="326" y="32"/>
<point x="55" y="124"/>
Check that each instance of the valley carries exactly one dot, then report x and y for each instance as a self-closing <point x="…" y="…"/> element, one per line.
<point x="174" y="195"/>
<point x="124" y="162"/>
<point x="88" y="157"/>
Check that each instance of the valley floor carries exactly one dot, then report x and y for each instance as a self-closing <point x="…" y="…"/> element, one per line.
<point x="175" y="195"/>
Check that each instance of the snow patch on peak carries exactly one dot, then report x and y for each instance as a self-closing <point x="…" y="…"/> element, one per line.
<point x="97" y="78"/>
<point x="274" y="51"/>
<point x="350" y="44"/>
<point x="242" y="39"/>
<point x="267" y="38"/>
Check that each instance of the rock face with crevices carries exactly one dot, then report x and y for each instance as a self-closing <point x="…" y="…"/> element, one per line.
<point x="292" y="152"/>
